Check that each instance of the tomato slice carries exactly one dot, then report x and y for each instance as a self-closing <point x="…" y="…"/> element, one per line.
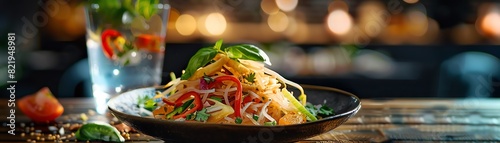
<point x="41" y="106"/>
<point x="148" y="42"/>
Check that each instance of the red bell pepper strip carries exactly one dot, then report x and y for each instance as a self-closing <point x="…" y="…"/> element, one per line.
<point x="197" y="103"/>
<point x="106" y="36"/>
<point x="167" y="102"/>
<point x="237" y="99"/>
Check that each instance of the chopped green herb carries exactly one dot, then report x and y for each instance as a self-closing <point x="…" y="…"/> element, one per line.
<point x="325" y="111"/>
<point x="150" y="105"/>
<point x="255" y="117"/>
<point x="179" y="109"/>
<point x="273" y="123"/>
<point x="216" y="98"/>
<point x="202" y="115"/>
<point x="311" y="109"/>
<point x="322" y="111"/>
<point x="208" y="79"/>
<point x="190" y="116"/>
<point x="250" y="77"/>
<point x="238" y="120"/>
<point x="147" y="103"/>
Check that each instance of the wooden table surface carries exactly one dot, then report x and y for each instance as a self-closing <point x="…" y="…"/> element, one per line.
<point x="387" y="120"/>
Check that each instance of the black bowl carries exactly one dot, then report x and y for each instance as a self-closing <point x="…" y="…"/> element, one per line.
<point x="345" y="105"/>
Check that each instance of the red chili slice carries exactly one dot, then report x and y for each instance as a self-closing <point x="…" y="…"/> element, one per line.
<point x="237" y="99"/>
<point x="106" y="37"/>
<point x="197" y="104"/>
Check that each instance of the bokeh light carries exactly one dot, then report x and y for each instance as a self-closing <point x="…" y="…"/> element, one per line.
<point x="215" y="23"/>
<point x="269" y="6"/>
<point x="490" y="23"/>
<point x="339" y="22"/>
<point x="298" y="31"/>
<point x="278" y="22"/>
<point x="373" y="18"/>
<point x="173" y="15"/>
<point x="417" y="23"/>
<point x="186" y="24"/>
<point x="287" y="5"/>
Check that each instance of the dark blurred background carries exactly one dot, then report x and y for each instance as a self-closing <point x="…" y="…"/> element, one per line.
<point x="375" y="48"/>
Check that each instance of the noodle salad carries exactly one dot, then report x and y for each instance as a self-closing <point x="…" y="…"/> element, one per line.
<point x="231" y="85"/>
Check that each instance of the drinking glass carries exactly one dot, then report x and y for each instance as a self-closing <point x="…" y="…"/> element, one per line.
<point x="125" y="44"/>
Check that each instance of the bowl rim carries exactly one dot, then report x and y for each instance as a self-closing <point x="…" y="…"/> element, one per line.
<point x="305" y="86"/>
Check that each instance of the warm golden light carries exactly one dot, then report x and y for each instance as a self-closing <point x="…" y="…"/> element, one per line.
<point x="215" y="23"/>
<point x="287" y="5"/>
<point x="417" y="23"/>
<point x="278" y="22"/>
<point x="185" y="24"/>
<point x="372" y="18"/>
<point x="490" y="23"/>
<point x="269" y="6"/>
<point x="300" y="31"/>
<point x="172" y="17"/>
<point x="339" y="22"/>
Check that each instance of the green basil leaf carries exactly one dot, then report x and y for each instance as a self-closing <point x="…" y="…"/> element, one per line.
<point x="201" y="58"/>
<point x="99" y="131"/>
<point x="218" y="45"/>
<point x="146" y="8"/>
<point x="247" y="52"/>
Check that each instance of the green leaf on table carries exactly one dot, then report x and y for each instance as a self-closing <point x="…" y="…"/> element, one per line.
<point x="98" y="132"/>
<point x="146" y="8"/>
<point x="247" y="52"/>
<point x="201" y="58"/>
